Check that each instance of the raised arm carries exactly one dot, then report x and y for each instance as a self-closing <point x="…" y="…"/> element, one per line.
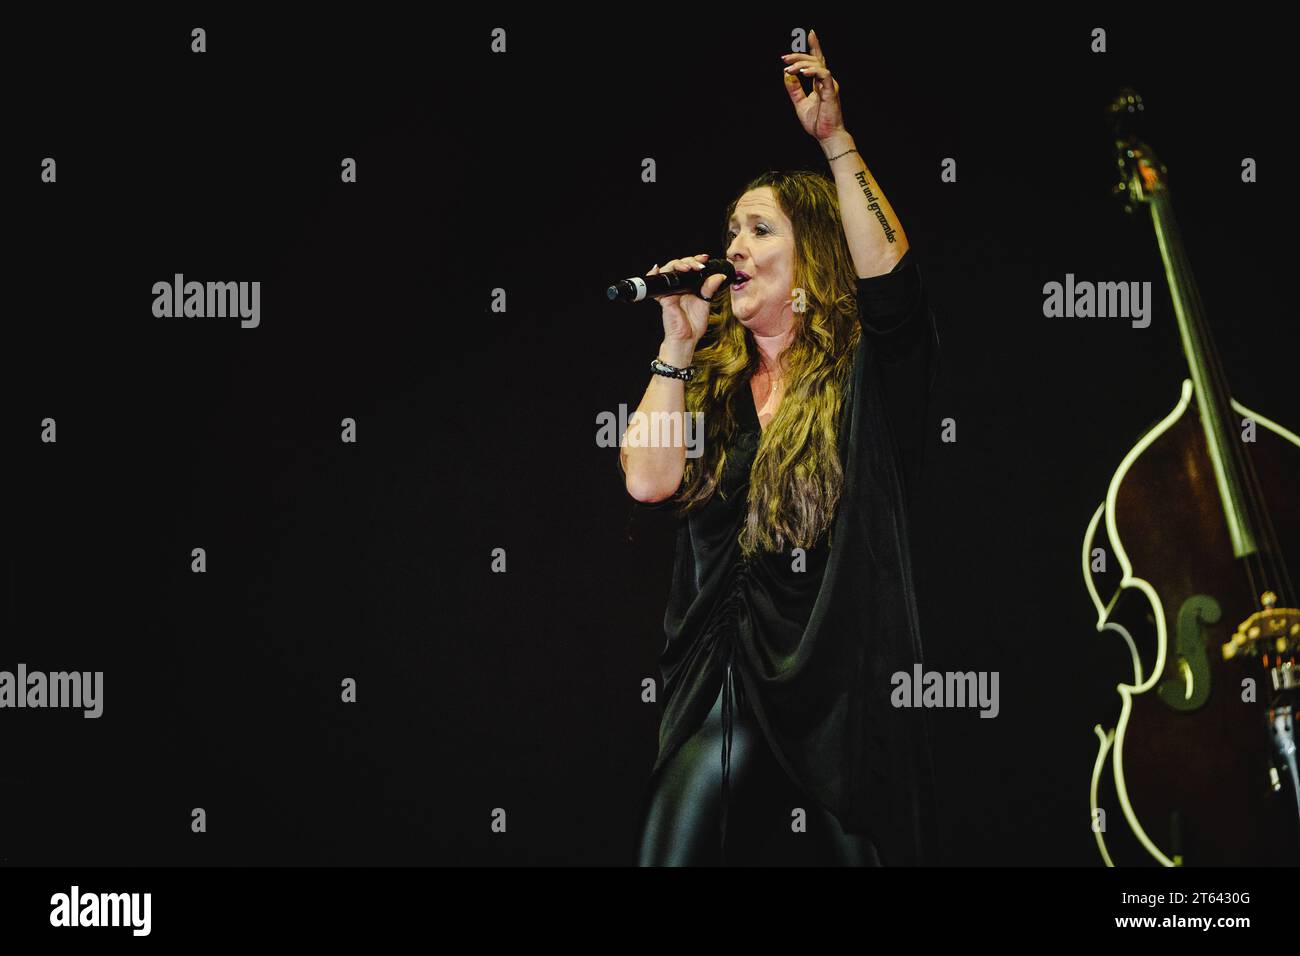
<point x="875" y="236"/>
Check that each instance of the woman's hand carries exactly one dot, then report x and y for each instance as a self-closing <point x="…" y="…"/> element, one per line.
<point x="818" y="111"/>
<point x="653" y="470"/>
<point x="685" y="314"/>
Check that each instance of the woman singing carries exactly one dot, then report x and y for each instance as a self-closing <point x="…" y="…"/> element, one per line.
<point x="792" y="604"/>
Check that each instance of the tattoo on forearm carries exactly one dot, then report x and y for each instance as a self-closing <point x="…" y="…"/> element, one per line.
<point x="874" y="205"/>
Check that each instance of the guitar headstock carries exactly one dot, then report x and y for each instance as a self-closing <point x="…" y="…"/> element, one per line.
<point x="1141" y="175"/>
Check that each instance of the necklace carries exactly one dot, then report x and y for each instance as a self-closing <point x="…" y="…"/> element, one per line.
<point x="773" y="380"/>
<point x="772" y="390"/>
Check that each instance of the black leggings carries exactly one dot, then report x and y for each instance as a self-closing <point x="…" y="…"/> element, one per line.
<point x="682" y="815"/>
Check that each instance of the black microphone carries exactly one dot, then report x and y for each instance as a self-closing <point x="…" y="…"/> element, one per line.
<point x="638" y="288"/>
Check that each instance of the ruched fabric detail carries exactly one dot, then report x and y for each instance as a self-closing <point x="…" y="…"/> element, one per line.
<point x="724" y="628"/>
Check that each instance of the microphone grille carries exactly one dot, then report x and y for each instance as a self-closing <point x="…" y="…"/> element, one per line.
<point x="724" y="266"/>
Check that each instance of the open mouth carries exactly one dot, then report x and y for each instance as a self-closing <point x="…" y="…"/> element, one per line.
<point x="742" y="280"/>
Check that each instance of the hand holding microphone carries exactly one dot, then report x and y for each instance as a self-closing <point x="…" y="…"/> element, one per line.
<point x="685" y="312"/>
<point x="670" y="280"/>
<point x="682" y="287"/>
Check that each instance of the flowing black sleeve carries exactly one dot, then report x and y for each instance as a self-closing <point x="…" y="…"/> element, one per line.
<point x="898" y="325"/>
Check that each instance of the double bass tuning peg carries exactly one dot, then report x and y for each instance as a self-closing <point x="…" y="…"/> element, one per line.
<point x="1120" y="192"/>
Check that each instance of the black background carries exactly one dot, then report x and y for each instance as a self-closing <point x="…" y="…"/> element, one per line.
<point x="476" y="429"/>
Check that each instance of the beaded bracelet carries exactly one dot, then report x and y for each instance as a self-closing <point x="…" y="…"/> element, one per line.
<point x="671" y="371"/>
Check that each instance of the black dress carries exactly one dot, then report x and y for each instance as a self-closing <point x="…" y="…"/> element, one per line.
<point x="814" y="649"/>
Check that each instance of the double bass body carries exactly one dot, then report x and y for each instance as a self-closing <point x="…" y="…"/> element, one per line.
<point x="1189" y="774"/>
<point x="1201" y="521"/>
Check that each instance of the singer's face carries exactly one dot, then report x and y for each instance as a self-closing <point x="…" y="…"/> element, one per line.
<point x="761" y="244"/>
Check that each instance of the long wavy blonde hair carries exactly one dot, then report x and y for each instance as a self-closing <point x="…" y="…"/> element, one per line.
<point x="797" y="477"/>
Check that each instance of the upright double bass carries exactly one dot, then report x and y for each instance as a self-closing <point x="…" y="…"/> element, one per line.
<point x="1200" y="522"/>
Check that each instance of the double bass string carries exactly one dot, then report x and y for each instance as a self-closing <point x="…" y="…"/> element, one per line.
<point x="1271" y="568"/>
<point x="1216" y="388"/>
<point x="1185" y="296"/>
<point x="1274" y="571"/>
